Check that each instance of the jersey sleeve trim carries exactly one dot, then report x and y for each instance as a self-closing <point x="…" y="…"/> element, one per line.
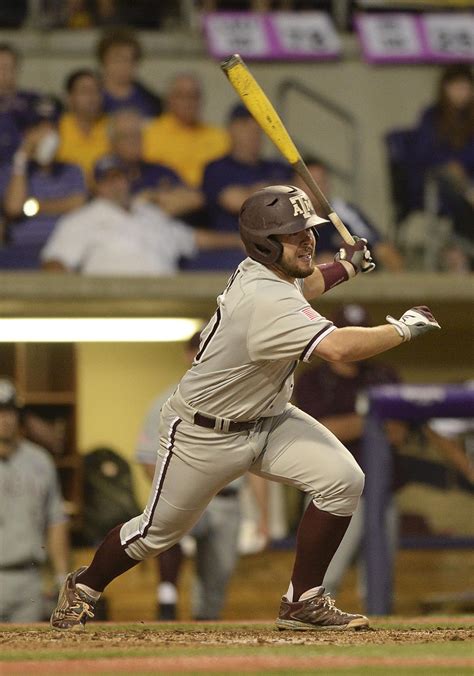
<point x="314" y="342"/>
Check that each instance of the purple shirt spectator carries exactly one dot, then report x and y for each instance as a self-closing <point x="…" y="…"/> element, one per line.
<point x="219" y="175"/>
<point x="17" y="113"/>
<point x="430" y="151"/>
<point x="141" y="99"/>
<point x="228" y="171"/>
<point x="147" y="175"/>
<point x="26" y="236"/>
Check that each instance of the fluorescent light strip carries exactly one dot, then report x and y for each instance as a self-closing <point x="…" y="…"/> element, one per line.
<point x="98" y="329"/>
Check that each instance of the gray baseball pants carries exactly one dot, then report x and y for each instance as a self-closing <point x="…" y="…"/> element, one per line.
<point x="194" y="463"/>
<point x="21" y="596"/>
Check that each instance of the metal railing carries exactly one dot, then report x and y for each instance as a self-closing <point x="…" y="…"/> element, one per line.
<point x="348" y="175"/>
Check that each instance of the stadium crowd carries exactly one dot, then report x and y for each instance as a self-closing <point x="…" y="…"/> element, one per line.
<point x="148" y="168"/>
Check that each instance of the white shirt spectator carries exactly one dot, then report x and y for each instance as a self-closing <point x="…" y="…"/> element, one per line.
<point x="102" y="238"/>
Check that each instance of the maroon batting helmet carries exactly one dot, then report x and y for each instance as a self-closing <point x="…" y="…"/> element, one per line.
<point x="275" y="210"/>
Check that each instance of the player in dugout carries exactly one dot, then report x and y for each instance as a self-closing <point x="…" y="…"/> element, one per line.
<point x="231" y="413"/>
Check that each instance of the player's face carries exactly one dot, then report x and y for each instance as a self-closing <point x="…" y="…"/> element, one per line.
<point x="8" y="428"/>
<point x="127" y="138"/>
<point x="120" y="63"/>
<point x="184" y="100"/>
<point x="246" y="138"/>
<point x="115" y="187"/>
<point x="7" y="72"/>
<point x="298" y="254"/>
<point x="459" y="92"/>
<point x="85" y="99"/>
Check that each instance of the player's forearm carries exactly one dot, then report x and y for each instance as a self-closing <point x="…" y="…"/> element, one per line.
<point x="61" y="205"/>
<point x="389" y="257"/>
<point x="453" y="452"/>
<point x="54" y="265"/>
<point x="231" y="198"/>
<point x="209" y="239"/>
<point x="15" y="195"/>
<point x="353" y="343"/>
<point x="58" y="547"/>
<point x="178" y="201"/>
<point x="325" y="277"/>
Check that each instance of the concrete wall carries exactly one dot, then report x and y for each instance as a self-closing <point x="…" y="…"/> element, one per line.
<point x="116" y="383"/>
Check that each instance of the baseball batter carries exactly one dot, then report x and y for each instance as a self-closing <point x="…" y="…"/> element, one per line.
<point x="231" y="412"/>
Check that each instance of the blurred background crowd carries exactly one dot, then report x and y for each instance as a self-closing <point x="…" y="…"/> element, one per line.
<point x="107" y="172"/>
<point x="110" y="147"/>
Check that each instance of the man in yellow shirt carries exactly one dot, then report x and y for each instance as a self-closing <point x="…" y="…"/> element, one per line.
<point x="83" y="129"/>
<point x="179" y="138"/>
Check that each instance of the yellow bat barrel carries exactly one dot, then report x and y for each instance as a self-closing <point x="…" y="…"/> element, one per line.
<point x="257" y="103"/>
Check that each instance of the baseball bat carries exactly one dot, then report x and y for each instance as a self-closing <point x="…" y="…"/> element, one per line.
<point x="260" y="107"/>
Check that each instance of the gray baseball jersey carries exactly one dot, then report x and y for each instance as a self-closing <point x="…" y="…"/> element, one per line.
<point x="249" y="350"/>
<point x="243" y="372"/>
<point x="29" y="489"/>
<point x="30" y="501"/>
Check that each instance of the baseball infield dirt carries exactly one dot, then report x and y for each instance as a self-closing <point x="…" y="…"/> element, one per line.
<point x="437" y="645"/>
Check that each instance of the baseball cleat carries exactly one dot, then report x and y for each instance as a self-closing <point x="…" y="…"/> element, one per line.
<point x="74" y="605"/>
<point x="317" y="612"/>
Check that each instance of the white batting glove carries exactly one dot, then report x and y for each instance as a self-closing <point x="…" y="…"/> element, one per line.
<point x="414" y="322"/>
<point x="357" y="254"/>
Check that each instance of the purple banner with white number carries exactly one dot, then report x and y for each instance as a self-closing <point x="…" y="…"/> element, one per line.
<point x="274" y="35"/>
<point x="407" y="38"/>
<point x="405" y="402"/>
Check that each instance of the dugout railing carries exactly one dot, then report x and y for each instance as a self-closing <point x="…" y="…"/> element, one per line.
<point x="350" y="175"/>
<point x="416" y="403"/>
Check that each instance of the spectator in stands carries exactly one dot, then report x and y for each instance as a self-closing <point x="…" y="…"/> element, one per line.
<point x="83" y="129"/>
<point x="329" y="392"/>
<point x="38" y="190"/>
<point x="13" y="13"/>
<point x="32" y="519"/>
<point x="77" y="14"/>
<point x="119" y="54"/>
<point x="149" y="181"/>
<point x="386" y="254"/>
<point x="443" y="148"/>
<point x="113" y="235"/>
<point x="252" y="5"/>
<point x="108" y="13"/>
<point x="229" y="180"/>
<point x="18" y="109"/>
<point x="179" y="138"/>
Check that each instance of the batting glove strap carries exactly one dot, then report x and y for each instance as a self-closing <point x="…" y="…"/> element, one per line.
<point x="357" y="255"/>
<point x="414" y="322"/>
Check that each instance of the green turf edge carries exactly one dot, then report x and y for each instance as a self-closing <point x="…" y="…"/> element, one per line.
<point x="443" y="650"/>
<point x="356" y="671"/>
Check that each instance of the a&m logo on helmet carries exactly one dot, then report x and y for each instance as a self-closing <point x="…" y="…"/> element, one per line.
<point x="302" y="206"/>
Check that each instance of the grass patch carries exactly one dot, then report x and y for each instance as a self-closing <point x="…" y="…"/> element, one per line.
<point x="457" y="649"/>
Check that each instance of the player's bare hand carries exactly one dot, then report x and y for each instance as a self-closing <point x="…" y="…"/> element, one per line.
<point x="357" y="254"/>
<point x="414" y="322"/>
